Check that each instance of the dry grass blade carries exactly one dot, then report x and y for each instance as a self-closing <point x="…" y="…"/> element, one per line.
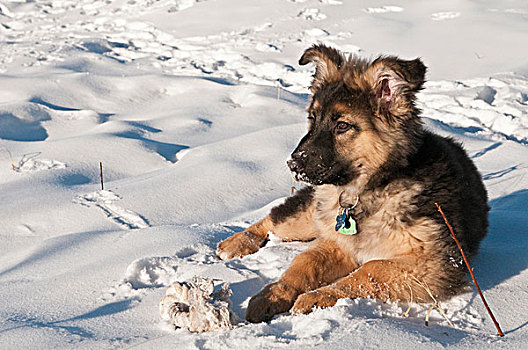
<point x="435" y="304"/>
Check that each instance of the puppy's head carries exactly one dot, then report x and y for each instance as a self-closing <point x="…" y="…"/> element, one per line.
<point x="362" y="116"/>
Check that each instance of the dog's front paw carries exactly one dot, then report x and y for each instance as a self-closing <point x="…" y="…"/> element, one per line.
<point x="239" y="245"/>
<point x="322" y="297"/>
<point x="274" y="299"/>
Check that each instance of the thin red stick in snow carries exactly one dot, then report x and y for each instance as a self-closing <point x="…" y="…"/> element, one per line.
<point x="101" y="169"/>
<point x="499" y="331"/>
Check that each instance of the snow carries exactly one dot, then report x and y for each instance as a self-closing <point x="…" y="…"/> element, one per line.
<point x="193" y="107"/>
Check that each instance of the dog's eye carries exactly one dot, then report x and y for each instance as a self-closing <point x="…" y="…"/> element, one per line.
<point x="342" y="127"/>
<point x="311" y="117"/>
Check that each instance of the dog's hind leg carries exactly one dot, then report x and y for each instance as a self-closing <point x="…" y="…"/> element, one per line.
<point x="381" y="279"/>
<point x="291" y="221"/>
<point x="323" y="263"/>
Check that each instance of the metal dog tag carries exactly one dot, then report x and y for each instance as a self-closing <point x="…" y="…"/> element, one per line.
<point x="350" y="227"/>
<point x="340" y="221"/>
<point x="345" y="224"/>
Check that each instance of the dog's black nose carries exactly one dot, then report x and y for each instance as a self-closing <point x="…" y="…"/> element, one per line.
<point x="293" y="165"/>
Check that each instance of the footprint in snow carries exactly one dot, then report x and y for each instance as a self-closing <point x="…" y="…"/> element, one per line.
<point x="383" y="9"/>
<point x="325" y="2"/>
<point x="161" y="271"/>
<point x="182" y="5"/>
<point x="442" y="16"/>
<point x="104" y="200"/>
<point x="517" y="11"/>
<point x="316" y="32"/>
<point x="29" y="162"/>
<point x="331" y="2"/>
<point x="311" y="15"/>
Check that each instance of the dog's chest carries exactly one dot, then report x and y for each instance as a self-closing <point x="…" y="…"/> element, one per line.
<point x="382" y="219"/>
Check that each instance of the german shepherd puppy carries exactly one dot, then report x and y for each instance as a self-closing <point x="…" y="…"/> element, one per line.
<point x="374" y="176"/>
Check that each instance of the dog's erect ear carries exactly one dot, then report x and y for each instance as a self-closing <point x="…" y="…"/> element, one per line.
<point x="328" y="61"/>
<point x="395" y="83"/>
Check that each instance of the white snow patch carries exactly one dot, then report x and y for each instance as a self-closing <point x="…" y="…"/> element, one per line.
<point x="311" y="15"/>
<point x="5" y="11"/>
<point x="331" y="2"/>
<point x="442" y="16"/>
<point x="495" y="106"/>
<point x="383" y="9"/>
<point x="180" y="5"/>
<point x="316" y="32"/>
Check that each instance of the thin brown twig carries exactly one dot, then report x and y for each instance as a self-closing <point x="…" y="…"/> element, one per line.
<point x="499" y="331"/>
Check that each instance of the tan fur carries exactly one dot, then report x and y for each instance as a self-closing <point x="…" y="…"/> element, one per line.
<point x="319" y="265"/>
<point x="299" y="228"/>
<point x="377" y="279"/>
<point x="370" y="149"/>
<point x="382" y="234"/>
<point x="371" y="152"/>
<point x="385" y="260"/>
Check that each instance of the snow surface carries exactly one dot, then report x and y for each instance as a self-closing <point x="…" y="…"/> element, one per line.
<point x="193" y="108"/>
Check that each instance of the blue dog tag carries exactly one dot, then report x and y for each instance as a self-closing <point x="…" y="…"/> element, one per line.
<point x="340" y="221"/>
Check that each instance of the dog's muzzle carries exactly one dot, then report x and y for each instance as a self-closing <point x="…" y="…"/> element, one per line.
<point x="297" y="167"/>
<point x="294" y="165"/>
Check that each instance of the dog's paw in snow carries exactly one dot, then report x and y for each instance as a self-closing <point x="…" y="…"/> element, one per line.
<point x="240" y="244"/>
<point x="306" y="302"/>
<point x="274" y="299"/>
<point x="194" y="306"/>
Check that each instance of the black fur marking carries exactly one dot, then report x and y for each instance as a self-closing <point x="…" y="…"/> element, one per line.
<point x="412" y="71"/>
<point x="315" y="161"/>
<point x="293" y="205"/>
<point x="455" y="184"/>
<point x="451" y="180"/>
<point x="320" y="50"/>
